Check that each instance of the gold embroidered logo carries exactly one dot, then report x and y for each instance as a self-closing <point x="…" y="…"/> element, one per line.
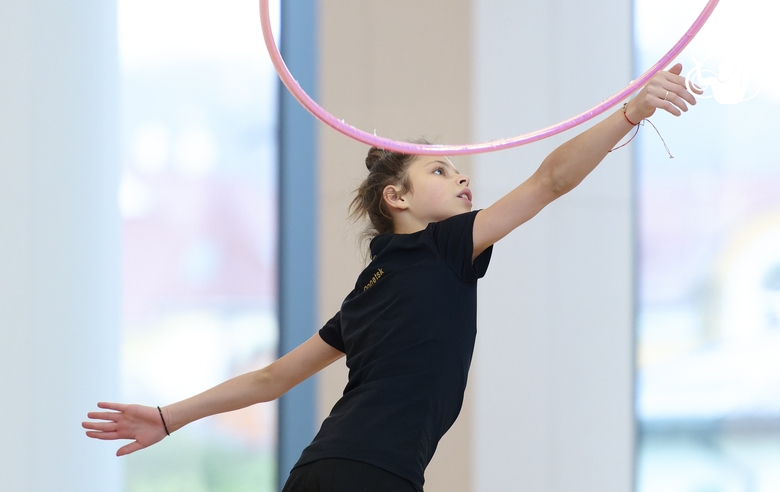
<point x="373" y="280"/>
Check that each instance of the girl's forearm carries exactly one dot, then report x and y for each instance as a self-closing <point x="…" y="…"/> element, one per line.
<point x="239" y="392"/>
<point x="266" y="384"/>
<point x="570" y="163"/>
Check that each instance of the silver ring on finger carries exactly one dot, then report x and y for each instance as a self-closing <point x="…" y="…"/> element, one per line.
<point x="666" y="96"/>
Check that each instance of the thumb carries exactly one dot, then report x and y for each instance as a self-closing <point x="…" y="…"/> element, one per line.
<point x="129" y="448"/>
<point x="676" y="69"/>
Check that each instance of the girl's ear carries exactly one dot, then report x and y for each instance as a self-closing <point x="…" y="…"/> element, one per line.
<point x="393" y="199"/>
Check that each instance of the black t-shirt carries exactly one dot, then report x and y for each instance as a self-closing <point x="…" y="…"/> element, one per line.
<point x="408" y="331"/>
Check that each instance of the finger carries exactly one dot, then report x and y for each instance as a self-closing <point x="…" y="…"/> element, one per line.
<point x="680" y="104"/>
<point x="667" y="101"/>
<point x="100" y="426"/>
<point x="683" y="95"/>
<point x="687" y="84"/>
<point x="695" y="88"/>
<point x="684" y="84"/>
<point x="119" y="407"/>
<point x="686" y="96"/>
<point x="674" y="109"/>
<point x="676" y="69"/>
<point x="113" y="416"/>
<point x="679" y="100"/>
<point x="103" y="436"/>
<point x="129" y="448"/>
<point x="677" y="94"/>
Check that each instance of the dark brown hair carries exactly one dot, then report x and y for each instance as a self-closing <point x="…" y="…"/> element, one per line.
<point x="384" y="168"/>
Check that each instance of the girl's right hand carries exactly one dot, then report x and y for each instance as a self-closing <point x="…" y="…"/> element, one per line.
<point x="140" y="423"/>
<point x="667" y="90"/>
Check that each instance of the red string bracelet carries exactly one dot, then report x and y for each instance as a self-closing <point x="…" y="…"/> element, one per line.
<point x="637" y="125"/>
<point x="629" y="140"/>
<point x="625" y="107"/>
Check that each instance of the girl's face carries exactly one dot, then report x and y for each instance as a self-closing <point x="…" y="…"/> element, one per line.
<point x="438" y="190"/>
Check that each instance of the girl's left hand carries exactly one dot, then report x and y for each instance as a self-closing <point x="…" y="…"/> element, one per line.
<point x="141" y="424"/>
<point x="666" y="90"/>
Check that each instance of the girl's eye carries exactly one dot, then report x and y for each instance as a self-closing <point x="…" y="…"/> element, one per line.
<point x="438" y="170"/>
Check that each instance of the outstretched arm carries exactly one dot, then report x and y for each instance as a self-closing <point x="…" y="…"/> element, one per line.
<point x="570" y="163"/>
<point x="144" y="426"/>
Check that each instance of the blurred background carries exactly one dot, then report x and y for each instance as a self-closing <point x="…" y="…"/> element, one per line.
<point x="629" y="335"/>
<point x="708" y="325"/>
<point x="198" y="201"/>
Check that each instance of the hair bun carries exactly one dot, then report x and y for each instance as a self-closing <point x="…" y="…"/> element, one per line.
<point x="374" y="155"/>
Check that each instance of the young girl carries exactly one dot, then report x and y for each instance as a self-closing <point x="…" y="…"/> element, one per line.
<point x="408" y="327"/>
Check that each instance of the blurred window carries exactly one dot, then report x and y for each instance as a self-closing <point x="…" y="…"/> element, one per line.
<point x="199" y="207"/>
<point x="708" y="326"/>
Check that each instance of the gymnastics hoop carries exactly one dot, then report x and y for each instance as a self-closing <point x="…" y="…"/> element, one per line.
<point x="489" y="146"/>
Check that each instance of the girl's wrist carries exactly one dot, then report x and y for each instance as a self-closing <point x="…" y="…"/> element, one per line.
<point x="164" y="421"/>
<point x="170" y="419"/>
<point x="631" y="114"/>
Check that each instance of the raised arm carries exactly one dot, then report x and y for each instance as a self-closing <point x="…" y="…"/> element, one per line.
<point x="570" y="163"/>
<point x="145" y="427"/>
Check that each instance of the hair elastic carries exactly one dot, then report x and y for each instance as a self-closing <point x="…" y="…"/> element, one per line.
<point x="163" y="421"/>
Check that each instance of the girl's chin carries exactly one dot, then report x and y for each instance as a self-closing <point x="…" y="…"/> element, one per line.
<point x="463" y="210"/>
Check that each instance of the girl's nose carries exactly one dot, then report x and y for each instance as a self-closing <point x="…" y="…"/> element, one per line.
<point x="463" y="179"/>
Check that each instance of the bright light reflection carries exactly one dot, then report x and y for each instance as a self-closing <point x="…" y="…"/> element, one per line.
<point x="743" y="32"/>
<point x="155" y="32"/>
<point x="708" y="331"/>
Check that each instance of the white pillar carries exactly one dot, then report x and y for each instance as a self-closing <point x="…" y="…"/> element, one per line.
<point x="59" y="242"/>
<point x="553" y="369"/>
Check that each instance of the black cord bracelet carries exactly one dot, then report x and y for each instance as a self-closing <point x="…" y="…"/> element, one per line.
<point x="163" y="421"/>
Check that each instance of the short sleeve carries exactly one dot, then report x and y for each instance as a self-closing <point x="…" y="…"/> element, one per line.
<point x="454" y="238"/>
<point x="331" y="333"/>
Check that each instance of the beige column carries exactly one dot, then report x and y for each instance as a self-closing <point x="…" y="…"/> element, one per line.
<point x="549" y="406"/>
<point x="402" y="68"/>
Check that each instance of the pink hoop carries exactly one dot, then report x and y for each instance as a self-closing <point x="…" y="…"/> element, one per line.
<point x="490" y="146"/>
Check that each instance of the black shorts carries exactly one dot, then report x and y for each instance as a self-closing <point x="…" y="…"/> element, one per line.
<point x="340" y="475"/>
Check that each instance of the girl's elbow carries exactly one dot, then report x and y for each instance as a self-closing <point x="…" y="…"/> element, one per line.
<point x="267" y="385"/>
<point x="556" y="184"/>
